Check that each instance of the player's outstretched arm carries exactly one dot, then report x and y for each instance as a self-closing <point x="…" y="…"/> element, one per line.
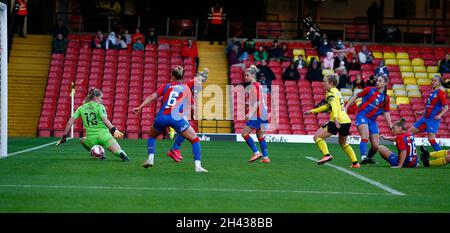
<point x="147" y="100"/>
<point x="115" y="132"/>
<point x="66" y="131"/>
<point x="351" y="101"/>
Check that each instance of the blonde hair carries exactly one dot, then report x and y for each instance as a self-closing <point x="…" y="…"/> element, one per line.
<point x="332" y="79"/>
<point x="252" y="70"/>
<point x="178" y="72"/>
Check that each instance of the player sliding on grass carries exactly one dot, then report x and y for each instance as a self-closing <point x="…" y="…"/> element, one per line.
<point x="339" y="122"/>
<point x="195" y="86"/>
<point x="176" y="98"/>
<point x="441" y="158"/>
<point x="436" y="107"/>
<point x="98" y="127"/>
<point x="404" y="141"/>
<point x="375" y="101"/>
<point x="257" y="117"/>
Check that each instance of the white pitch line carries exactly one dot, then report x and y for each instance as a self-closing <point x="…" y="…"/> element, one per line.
<point x="363" y="178"/>
<point x="186" y="189"/>
<point x="32" y="148"/>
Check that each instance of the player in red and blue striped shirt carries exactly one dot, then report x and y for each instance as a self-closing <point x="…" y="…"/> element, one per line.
<point x="257" y="118"/>
<point x="195" y="86"/>
<point x="406" y="147"/>
<point x="435" y="108"/>
<point x="375" y="102"/>
<point x="176" y="99"/>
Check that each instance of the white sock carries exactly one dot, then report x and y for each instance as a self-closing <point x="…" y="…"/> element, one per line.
<point x="151" y="157"/>
<point x="198" y="163"/>
<point x="257" y="152"/>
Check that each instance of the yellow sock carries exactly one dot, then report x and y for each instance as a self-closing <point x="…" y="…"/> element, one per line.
<point x="350" y="153"/>
<point x="438" y="162"/>
<point x="322" y="146"/>
<point x="438" y="154"/>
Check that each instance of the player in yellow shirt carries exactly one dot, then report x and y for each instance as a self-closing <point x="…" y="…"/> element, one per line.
<point x="339" y="122"/>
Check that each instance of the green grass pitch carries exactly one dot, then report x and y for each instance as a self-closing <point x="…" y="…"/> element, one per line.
<point x="65" y="179"/>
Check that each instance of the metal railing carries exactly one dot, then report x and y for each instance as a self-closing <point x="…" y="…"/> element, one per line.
<point x="197" y="27"/>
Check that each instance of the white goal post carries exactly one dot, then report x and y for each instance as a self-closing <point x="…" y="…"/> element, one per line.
<point x="3" y="80"/>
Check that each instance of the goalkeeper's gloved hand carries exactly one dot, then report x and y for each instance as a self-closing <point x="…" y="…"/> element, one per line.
<point x="63" y="140"/>
<point x="116" y="133"/>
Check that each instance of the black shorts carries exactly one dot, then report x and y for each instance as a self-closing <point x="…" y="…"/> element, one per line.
<point x="330" y="126"/>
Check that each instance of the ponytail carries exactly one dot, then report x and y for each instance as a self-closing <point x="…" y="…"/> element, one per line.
<point x="91" y="94"/>
<point x="401" y="123"/>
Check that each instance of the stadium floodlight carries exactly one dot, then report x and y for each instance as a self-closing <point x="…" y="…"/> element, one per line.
<point x="3" y="80"/>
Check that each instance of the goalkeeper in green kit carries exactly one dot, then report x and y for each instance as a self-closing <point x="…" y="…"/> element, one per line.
<point x="99" y="130"/>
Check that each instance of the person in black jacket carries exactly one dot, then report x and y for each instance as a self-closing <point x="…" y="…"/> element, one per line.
<point x="314" y="72"/>
<point x="266" y="75"/>
<point x="291" y="73"/>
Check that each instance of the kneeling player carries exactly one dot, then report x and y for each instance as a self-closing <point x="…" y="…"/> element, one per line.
<point x="98" y="127"/>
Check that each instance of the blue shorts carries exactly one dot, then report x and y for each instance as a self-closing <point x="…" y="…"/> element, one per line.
<point x="427" y="125"/>
<point x="258" y="124"/>
<point x="393" y="160"/>
<point x="163" y="121"/>
<point x="362" y="119"/>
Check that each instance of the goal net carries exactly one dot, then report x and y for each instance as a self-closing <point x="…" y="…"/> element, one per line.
<point x="3" y="80"/>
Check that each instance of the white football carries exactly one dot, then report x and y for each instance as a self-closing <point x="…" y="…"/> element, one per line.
<point x="97" y="152"/>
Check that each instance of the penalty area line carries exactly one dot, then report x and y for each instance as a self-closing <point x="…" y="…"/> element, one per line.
<point x="363" y="178"/>
<point x="25" y="186"/>
<point x="32" y="148"/>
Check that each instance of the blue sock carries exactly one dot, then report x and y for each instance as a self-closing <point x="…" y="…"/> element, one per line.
<point x="251" y="143"/>
<point x="196" y="150"/>
<point x="363" y="147"/>
<point x="151" y="146"/>
<point x="178" y="141"/>
<point x="263" y="145"/>
<point x="435" y="145"/>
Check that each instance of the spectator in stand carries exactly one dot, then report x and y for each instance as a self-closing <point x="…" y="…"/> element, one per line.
<point x="328" y="61"/>
<point x="233" y="56"/>
<point x="372" y="82"/>
<point x="261" y="54"/>
<point x="126" y="36"/>
<point x="266" y="74"/>
<point x="354" y="65"/>
<point x="275" y="52"/>
<point x="444" y="65"/>
<point x="314" y="72"/>
<point x="190" y="50"/>
<point x="381" y="69"/>
<point x="339" y="45"/>
<point x="60" y="28"/>
<point x="152" y="38"/>
<point x="139" y="46"/>
<point x="358" y="83"/>
<point x="300" y="63"/>
<point x="365" y="56"/>
<point x="249" y="46"/>
<point x="20" y="11"/>
<point x="287" y="55"/>
<point x="342" y="73"/>
<point x="59" y="44"/>
<point x="324" y="48"/>
<point x="136" y="35"/>
<point x="291" y="73"/>
<point x="339" y="58"/>
<point x="121" y="44"/>
<point x="98" y="41"/>
<point x="230" y="44"/>
<point x="111" y="42"/>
